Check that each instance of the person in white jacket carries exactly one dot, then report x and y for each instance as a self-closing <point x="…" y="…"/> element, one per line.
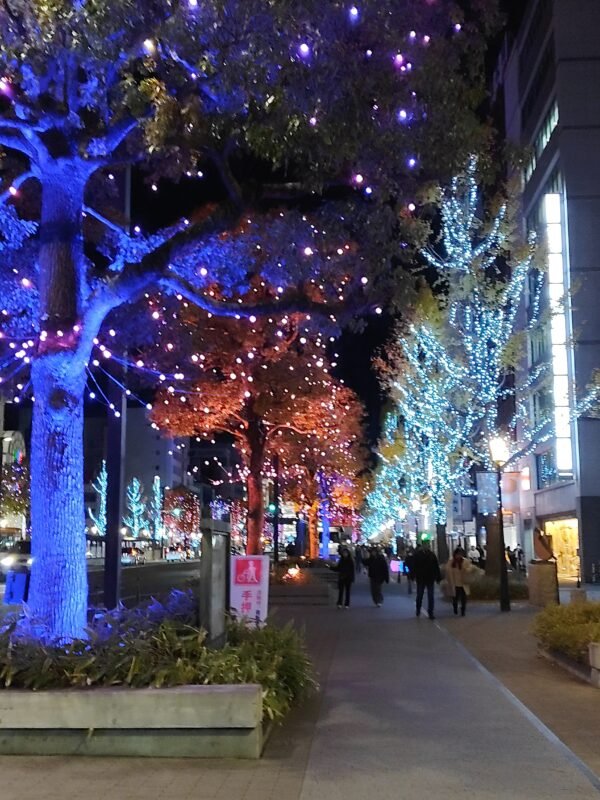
<point x="457" y="577"/>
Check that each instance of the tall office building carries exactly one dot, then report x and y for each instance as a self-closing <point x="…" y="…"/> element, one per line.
<point x="549" y="76"/>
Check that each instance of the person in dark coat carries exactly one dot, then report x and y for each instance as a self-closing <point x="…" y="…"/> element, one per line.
<point x="378" y="575"/>
<point x="345" y="571"/>
<point x="426" y="572"/>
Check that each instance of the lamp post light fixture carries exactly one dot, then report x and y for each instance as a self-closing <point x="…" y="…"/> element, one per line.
<point x="499" y="452"/>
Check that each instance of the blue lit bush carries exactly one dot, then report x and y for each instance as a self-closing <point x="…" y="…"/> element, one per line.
<point x="158" y="645"/>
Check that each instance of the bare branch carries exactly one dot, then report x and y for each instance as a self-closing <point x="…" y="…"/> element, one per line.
<point x="106" y="145"/>
<point x="113" y="226"/>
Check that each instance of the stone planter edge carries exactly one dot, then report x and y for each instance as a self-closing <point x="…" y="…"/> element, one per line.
<point x="580" y="671"/>
<point x="221" y="721"/>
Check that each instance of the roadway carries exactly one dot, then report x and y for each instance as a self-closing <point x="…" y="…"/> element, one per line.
<point x="146" y="580"/>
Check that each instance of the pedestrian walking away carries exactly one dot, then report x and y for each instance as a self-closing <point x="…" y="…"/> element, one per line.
<point x="426" y="571"/>
<point x="459" y="570"/>
<point x="379" y="574"/>
<point x="345" y="571"/>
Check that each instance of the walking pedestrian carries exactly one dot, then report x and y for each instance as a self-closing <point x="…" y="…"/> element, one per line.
<point x="345" y="571"/>
<point x="426" y="570"/>
<point x="457" y="577"/>
<point x="378" y="575"/>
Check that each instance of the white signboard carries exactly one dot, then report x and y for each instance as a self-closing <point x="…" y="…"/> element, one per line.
<point x="250" y="588"/>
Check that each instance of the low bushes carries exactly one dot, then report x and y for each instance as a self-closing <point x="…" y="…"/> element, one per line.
<point x="487" y="588"/>
<point x="148" y="648"/>
<point x="569" y="629"/>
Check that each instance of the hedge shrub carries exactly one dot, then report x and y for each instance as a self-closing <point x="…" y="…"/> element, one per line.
<point x="569" y="629"/>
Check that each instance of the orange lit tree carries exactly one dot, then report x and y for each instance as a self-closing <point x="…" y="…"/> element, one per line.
<point x="321" y="469"/>
<point x="254" y="379"/>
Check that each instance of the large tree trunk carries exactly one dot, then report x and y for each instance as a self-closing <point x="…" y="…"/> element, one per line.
<point x="442" y="542"/>
<point x="313" y="530"/>
<point x="256" y="505"/>
<point x="61" y="249"/>
<point x="58" y="593"/>
<point x="256" y="513"/>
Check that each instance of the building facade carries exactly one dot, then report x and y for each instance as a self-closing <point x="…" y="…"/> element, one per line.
<point x="549" y="76"/>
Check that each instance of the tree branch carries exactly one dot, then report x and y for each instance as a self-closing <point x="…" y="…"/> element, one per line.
<point x="15" y="141"/>
<point x="16" y="184"/>
<point x="106" y="145"/>
<point x="287" y="427"/>
<point x="113" y="226"/>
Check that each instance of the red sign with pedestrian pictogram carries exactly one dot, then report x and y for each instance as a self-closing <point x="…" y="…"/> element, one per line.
<point x="250" y="588"/>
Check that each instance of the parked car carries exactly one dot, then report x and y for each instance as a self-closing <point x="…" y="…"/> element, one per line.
<point x="17" y="559"/>
<point x="131" y="557"/>
<point x="175" y="554"/>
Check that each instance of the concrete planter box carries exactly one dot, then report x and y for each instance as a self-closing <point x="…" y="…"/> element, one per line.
<point x="314" y="593"/>
<point x="184" y="721"/>
<point x="594" y="654"/>
<point x="582" y="672"/>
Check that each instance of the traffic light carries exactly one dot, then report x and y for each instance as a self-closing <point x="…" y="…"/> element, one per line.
<point x="272" y="508"/>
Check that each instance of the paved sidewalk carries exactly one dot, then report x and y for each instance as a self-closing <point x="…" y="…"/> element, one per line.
<point x="404" y="712"/>
<point x="503" y="643"/>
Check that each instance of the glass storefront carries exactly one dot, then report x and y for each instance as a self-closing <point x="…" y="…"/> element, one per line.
<point x="564" y="538"/>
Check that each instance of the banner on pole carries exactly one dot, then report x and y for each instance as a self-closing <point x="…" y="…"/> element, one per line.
<point x="250" y="588"/>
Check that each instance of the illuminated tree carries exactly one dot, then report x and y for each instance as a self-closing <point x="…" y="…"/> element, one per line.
<point x="486" y="271"/>
<point x="425" y="454"/>
<point x="156" y="510"/>
<point x="181" y="512"/>
<point x="253" y="379"/>
<point x="322" y="466"/>
<point x="100" y="486"/>
<point x="91" y="87"/>
<point x="137" y="518"/>
<point x="453" y="381"/>
<point x="14" y="490"/>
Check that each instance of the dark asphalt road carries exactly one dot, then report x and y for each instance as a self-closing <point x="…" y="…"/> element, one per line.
<point x="139" y="583"/>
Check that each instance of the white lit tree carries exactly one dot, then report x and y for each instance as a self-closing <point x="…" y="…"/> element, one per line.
<point x="100" y="486"/>
<point x="137" y="517"/>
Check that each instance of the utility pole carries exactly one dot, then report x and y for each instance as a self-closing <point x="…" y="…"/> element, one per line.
<point x="276" y="512"/>
<point x="115" y="461"/>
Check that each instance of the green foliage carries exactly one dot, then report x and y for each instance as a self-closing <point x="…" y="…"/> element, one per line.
<point x="164" y="654"/>
<point x="569" y="629"/>
<point x="488" y="588"/>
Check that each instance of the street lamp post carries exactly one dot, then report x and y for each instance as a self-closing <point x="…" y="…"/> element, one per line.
<point x="499" y="453"/>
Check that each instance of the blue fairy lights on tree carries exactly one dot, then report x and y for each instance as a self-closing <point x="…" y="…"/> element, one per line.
<point x="88" y="88"/>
